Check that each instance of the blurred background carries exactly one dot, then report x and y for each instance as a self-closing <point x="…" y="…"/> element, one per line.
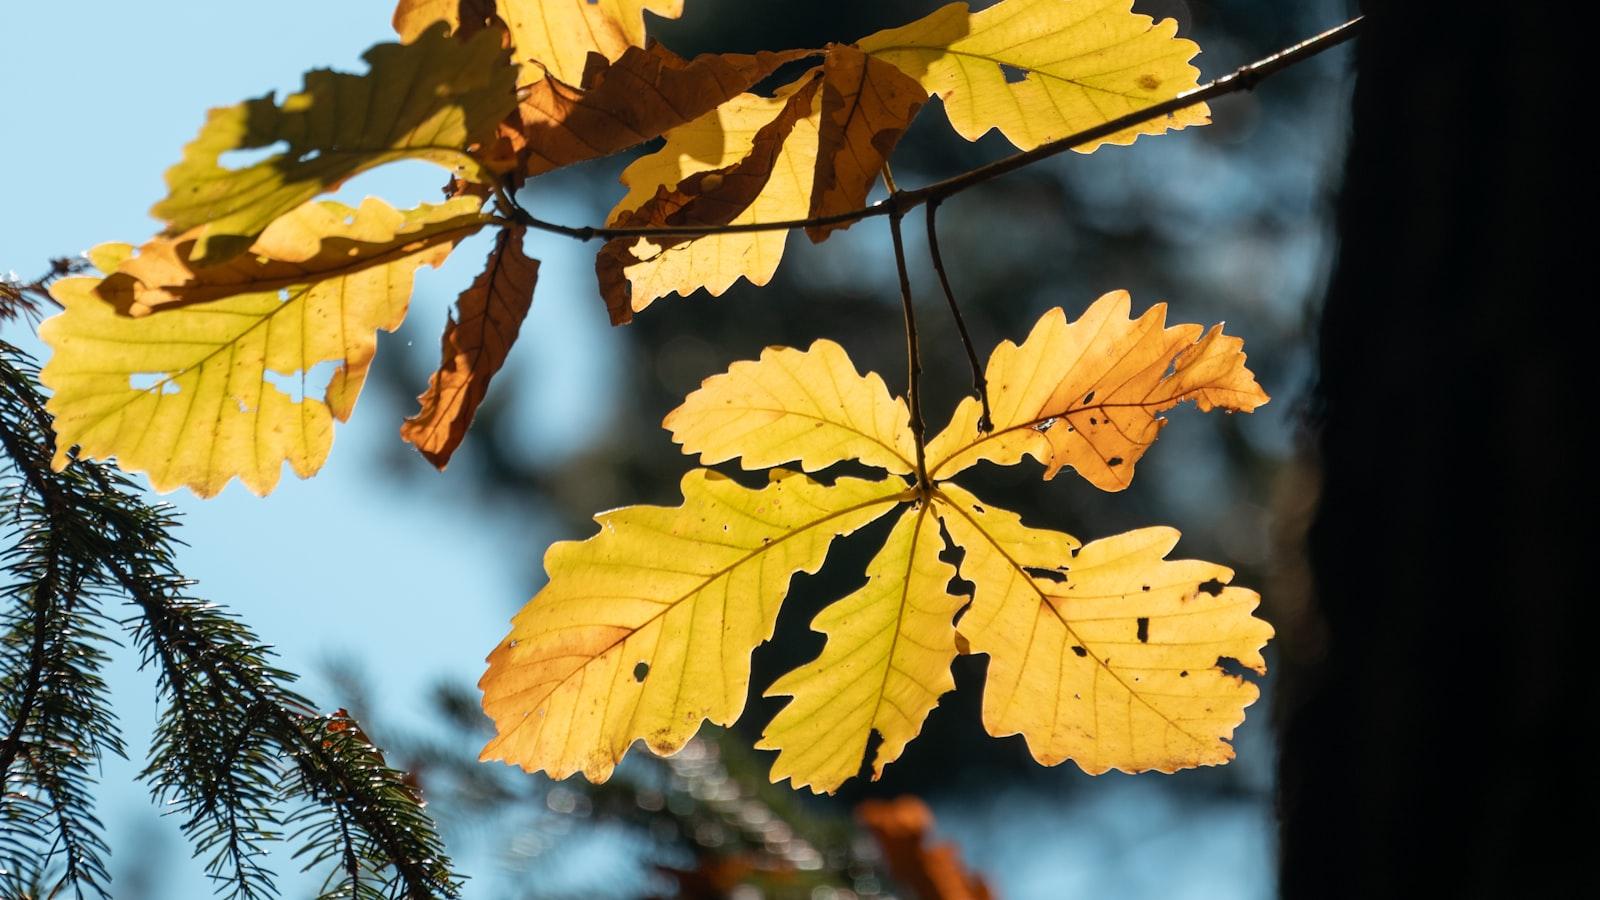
<point x="385" y="582"/>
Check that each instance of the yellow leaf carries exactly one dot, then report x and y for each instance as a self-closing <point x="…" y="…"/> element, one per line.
<point x="1039" y="70"/>
<point x="866" y="105"/>
<point x="1089" y="394"/>
<point x="645" y="630"/>
<point x="641" y="95"/>
<point x="474" y="347"/>
<point x="185" y="394"/>
<point x="886" y="662"/>
<point x="764" y="152"/>
<point x="1108" y="654"/>
<point x="312" y="243"/>
<point x="432" y="99"/>
<point x="559" y="35"/>
<point x="809" y="406"/>
<point x="464" y="17"/>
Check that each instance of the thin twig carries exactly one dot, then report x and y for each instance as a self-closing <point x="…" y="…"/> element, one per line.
<point x="980" y="385"/>
<point x="1242" y="79"/>
<point x="919" y="429"/>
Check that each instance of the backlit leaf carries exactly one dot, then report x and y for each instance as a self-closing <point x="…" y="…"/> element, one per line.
<point x="192" y="395"/>
<point x="1106" y="654"/>
<point x="768" y="179"/>
<point x="866" y="105"/>
<point x="475" y="345"/>
<point x="1043" y="69"/>
<point x="313" y="242"/>
<point x="645" y="630"/>
<point x="810" y="407"/>
<point x="559" y="35"/>
<point x="463" y="17"/>
<point x="641" y="95"/>
<point x="1089" y="394"/>
<point x="886" y="662"/>
<point x="432" y="99"/>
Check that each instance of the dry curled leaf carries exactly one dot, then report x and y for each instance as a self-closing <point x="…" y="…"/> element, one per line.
<point x="903" y="828"/>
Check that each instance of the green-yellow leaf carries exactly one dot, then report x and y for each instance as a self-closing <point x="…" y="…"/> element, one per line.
<point x="810" y="407"/>
<point x="885" y="665"/>
<point x="191" y="396"/>
<point x="1039" y="70"/>
<point x="1106" y="654"/>
<point x="646" y="629"/>
<point x="558" y="35"/>
<point x="434" y="99"/>
<point x="1089" y="393"/>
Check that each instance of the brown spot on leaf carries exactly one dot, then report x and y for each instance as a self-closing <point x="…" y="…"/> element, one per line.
<point x="1149" y="82"/>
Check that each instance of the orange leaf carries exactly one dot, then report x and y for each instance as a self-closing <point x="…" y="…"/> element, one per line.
<point x="866" y="105"/>
<point x="636" y="98"/>
<point x="901" y="827"/>
<point x="474" y="348"/>
<point x="708" y="198"/>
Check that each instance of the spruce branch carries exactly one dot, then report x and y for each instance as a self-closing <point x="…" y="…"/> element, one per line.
<point x="236" y="752"/>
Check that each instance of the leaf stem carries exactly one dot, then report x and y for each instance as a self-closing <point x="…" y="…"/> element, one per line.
<point x="919" y="428"/>
<point x="1244" y="78"/>
<point x="980" y="385"/>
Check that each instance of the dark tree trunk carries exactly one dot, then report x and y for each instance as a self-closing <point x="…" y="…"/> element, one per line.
<point x="1423" y="755"/>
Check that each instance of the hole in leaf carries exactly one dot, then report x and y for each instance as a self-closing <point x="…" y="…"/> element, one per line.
<point x="1212" y="587"/>
<point x="1143" y="632"/>
<point x="245" y="158"/>
<point x="1013" y="74"/>
<point x="1080" y="651"/>
<point x="640" y="670"/>
<point x="150" y="381"/>
<point x="1233" y="667"/>
<point x="1056" y="575"/>
<point x="313" y="384"/>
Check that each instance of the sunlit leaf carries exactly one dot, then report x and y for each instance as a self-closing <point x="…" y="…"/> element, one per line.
<point x="1043" y="69"/>
<point x="1089" y="394"/>
<point x="1107" y="654"/>
<point x="463" y="17"/>
<point x="194" y="395"/>
<point x="810" y="407"/>
<point x="767" y="179"/>
<point x="432" y="99"/>
<point x="557" y="36"/>
<point x="645" y="630"/>
<point x="476" y="342"/>
<point x="886" y="662"/>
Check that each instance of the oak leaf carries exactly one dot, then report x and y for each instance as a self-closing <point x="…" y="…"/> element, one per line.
<point x="435" y="99"/>
<point x="191" y="395"/>
<point x="475" y="345"/>
<point x="558" y="36"/>
<point x="638" y="97"/>
<point x="464" y="18"/>
<point x="866" y="105"/>
<point x="1089" y="394"/>
<point x="1106" y="653"/>
<point x="768" y="177"/>
<point x="1039" y="70"/>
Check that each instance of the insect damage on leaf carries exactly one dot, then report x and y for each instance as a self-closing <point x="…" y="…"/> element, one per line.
<point x="1105" y="628"/>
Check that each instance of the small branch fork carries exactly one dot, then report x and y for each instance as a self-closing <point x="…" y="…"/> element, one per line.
<point x="919" y="428"/>
<point x="901" y="202"/>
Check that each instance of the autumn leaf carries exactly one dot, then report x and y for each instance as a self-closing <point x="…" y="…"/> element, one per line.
<point x="1089" y="394"/>
<point x="559" y="35"/>
<point x="1105" y="654"/>
<point x="866" y="105"/>
<point x="432" y="99"/>
<point x="464" y="18"/>
<point x="191" y="395"/>
<point x="312" y="243"/>
<point x="646" y="629"/>
<point x="1039" y="70"/>
<point x="886" y="662"/>
<point x="810" y="407"/>
<point x="475" y="345"/>
<point x="763" y="180"/>
<point x="903" y="828"/>
<point x="1123" y="648"/>
<point x="638" y="97"/>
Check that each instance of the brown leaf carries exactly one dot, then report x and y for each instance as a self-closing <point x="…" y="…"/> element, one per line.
<point x="866" y="105"/>
<point x="901" y="827"/>
<point x="632" y="100"/>
<point x="474" y="348"/>
<point x="708" y="198"/>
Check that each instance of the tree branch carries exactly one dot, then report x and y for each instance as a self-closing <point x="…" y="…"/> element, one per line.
<point x="919" y="429"/>
<point x="980" y="385"/>
<point x="1244" y="78"/>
